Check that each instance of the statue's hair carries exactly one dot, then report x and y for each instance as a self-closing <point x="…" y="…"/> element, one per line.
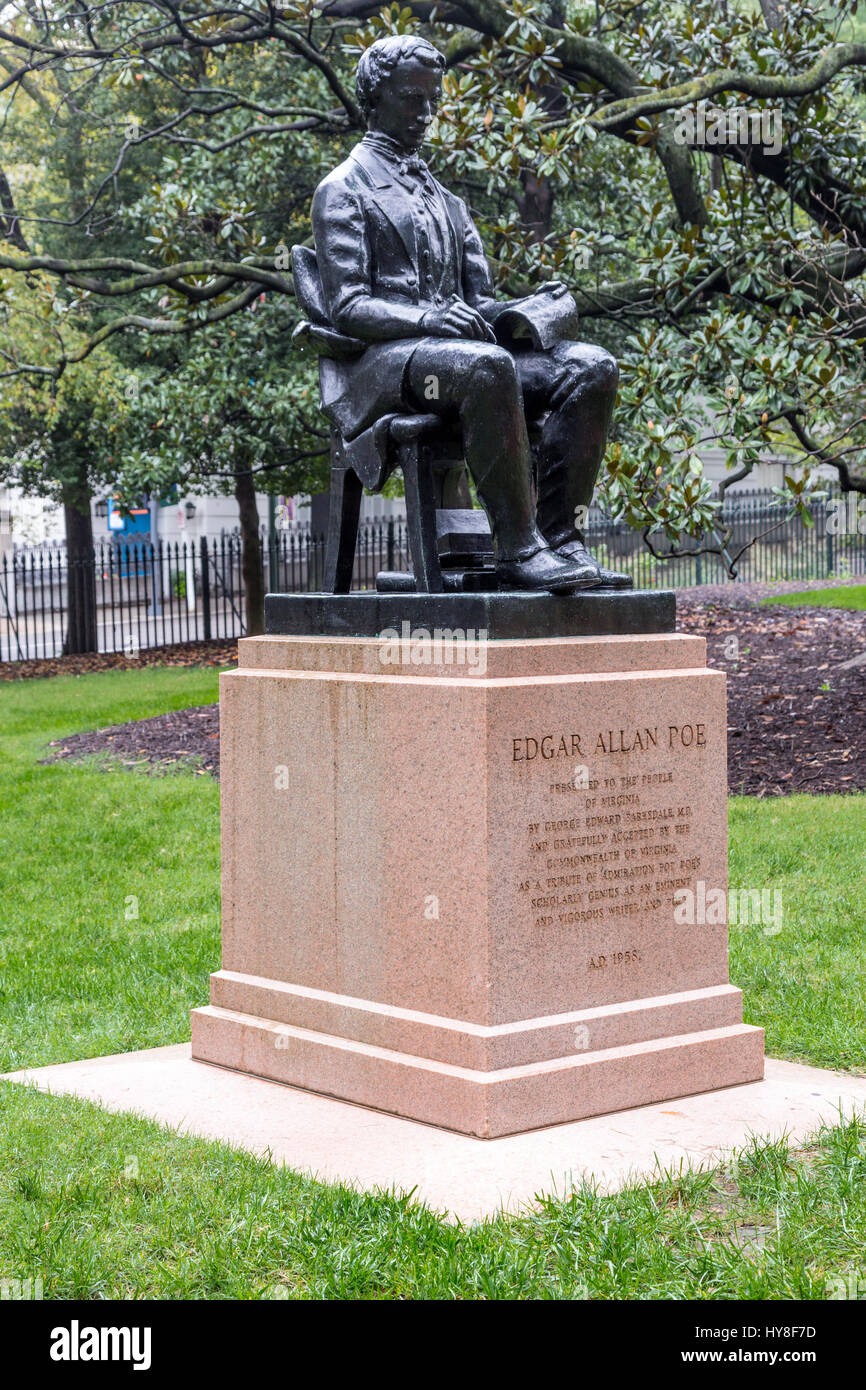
<point x="382" y="57"/>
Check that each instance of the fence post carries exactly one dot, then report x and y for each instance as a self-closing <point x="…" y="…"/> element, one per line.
<point x="391" y="560"/>
<point x="205" y="588"/>
<point x="829" y="539"/>
<point x="273" y="571"/>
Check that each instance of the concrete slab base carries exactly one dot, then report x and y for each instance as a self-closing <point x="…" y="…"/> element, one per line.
<point x="456" y="1174"/>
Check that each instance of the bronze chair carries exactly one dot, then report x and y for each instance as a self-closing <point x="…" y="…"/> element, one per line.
<point x="450" y="542"/>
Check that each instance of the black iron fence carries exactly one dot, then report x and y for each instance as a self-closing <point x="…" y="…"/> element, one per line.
<point x="128" y="596"/>
<point x="778" y="548"/>
<point x="125" y="597"/>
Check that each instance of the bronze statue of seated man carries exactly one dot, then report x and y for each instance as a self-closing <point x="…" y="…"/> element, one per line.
<point x="403" y="270"/>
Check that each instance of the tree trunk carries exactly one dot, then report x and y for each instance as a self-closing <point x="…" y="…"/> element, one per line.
<point x="772" y="12"/>
<point x="81" y="633"/>
<point x="10" y="227"/>
<point x="536" y="205"/>
<point x="251" y="553"/>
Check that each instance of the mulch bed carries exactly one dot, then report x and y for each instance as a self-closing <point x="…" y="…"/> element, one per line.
<point x="217" y="653"/>
<point x="169" y="742"/>
<point x="796" y="716"/>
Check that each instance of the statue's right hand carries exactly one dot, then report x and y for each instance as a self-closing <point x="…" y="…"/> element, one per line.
<point x="456" y="319"/>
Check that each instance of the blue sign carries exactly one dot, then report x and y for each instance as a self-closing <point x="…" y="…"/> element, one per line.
<point x="135" y="523"/>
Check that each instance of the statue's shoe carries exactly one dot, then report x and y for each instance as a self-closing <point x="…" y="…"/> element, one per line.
<point x="607" y="579"/>
<point x="546" y="569"/>
<point x="614" y="579"/>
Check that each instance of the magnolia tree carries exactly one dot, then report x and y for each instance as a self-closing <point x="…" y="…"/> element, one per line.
<point x="693" y="171"/>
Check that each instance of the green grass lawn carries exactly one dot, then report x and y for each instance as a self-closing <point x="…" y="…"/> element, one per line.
<point x="843" y="596"/>
<point x="109" y="883"/>
<point x="109" y="929"/>
<point x="807" y="985"/>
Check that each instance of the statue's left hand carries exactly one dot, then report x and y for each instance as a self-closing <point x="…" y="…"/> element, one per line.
<point x="556" y="288"/>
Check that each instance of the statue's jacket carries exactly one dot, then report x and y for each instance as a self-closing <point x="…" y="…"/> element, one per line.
<point x="377" y="285"/>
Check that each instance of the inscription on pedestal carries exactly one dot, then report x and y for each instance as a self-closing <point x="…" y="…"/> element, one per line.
<point x="610" y="824"/>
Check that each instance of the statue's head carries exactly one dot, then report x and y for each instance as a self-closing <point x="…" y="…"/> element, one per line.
<point x="399" y="83"/>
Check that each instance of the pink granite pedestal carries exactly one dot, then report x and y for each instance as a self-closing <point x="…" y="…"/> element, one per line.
<point x="450" y="874"/>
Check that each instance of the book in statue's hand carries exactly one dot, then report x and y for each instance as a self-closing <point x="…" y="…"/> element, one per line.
<point x="539" y="321"/>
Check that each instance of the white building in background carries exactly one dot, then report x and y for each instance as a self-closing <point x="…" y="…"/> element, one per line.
<point x="766" y="474"/>
<point x="26" y="521"/>
<point x="33" y="521"/>
<point x="187" y="519"/>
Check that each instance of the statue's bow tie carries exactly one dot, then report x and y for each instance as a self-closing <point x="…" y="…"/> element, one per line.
<point x="412" y="165"/>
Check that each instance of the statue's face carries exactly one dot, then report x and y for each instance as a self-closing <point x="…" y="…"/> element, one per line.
<point x="406" y="103"/>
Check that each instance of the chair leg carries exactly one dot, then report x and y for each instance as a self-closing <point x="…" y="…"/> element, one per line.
<point x="343" y="517"/>
<point x="421" y="520"/>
